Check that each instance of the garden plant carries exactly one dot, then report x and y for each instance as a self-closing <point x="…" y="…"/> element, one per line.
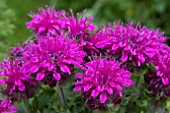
<point x="71" y="65"/>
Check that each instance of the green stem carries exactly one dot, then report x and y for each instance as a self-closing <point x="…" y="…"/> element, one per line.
<point x="61" y="93"/>
<point x="137" y="81"/>
<point x="36" y="104"/>
<point x="26" y="105"/>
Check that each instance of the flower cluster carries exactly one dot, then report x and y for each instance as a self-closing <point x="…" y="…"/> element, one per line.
<point x="126" y="43"/>
<point x="108" y="57"/>
<point x="103" y="80"/>
<point x="53" y="57"/>
<point x="79" y="28"/>
<point x="7" y="107"/>
<point x="47" y="21"/>
<point x="17" y="82"/>
<point x="158" y="81"/>
<point x="19" y="51"/>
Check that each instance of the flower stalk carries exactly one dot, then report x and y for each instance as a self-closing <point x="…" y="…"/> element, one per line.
<point x="25" y="101"/>
<point x="62" y="97"/>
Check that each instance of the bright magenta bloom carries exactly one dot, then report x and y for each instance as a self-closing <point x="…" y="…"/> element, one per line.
<point x="15" y="79"/>
<point x="163" y="68"/>
<point x="18" y="51"/>
<point x="7" y="107"/>
<point x="52" y="57"/>
<point x="103" y="80"/>
<point x="47" y="21"/>
<point x="79" y="28"/>
<point x="137" y="45"/>
<point x="159" y="81"/>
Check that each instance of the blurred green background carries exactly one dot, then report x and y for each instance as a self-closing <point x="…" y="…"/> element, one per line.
<point x="14" y="15"/>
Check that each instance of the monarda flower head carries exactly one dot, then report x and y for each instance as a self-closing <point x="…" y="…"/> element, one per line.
<point x="17" y="83"/>
<point x="79" y="28"/>
<point x="18" y="51"/>
<point x="7" y="106"/>
<point x="52" y="58"/>
<point x="47" y="21"/>
<point x="128" y="44"/>
<point x="90" y="42"/>
<point x="159" y="81"/>
<point x="103" y="80"/>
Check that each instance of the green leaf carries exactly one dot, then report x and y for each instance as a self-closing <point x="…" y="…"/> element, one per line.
<point x="21" y="108"/>
<point x="151" y="66"/>
<point x="141" y="71"/>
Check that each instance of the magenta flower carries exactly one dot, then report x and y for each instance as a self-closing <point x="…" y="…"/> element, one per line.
<point x="7" y="107"/>
<point x="47" y="21"/>
<point x="18" y="51"/>
<point x="16" y="81"/>
<point x="79" y="28"/>
<point x="89" y="44"/>
<point x="52" y="58"/>
<point x="159" y="81"/>
<point x="163" y="68"/>
<point x="103" y="80"/>
<point x="137" y="45"/>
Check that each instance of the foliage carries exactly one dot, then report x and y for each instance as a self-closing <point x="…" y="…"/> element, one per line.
<point x="7" y="18"/>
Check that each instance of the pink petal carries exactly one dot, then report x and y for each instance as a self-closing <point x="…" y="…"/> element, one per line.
<point x="56" y="76"/>
<point x="103" y="44"/>
<point x="82" y="54"/>
<point x="44" y="64"/>
<point x="103" y="97"/>
<point x="127" y="47"/>
<point x="4" y="103"/>
<point x="165" y="80"/>
<point x="159" y="73"/>
<point x="79" y="75"/>
<point x="139" y="63"/>
<point x="110" y="90"/>
<point x="22" y="87"/>
<point x="124" y="57"/>
<point x="40" y="76"/>
<point x="120" y="94"/>
<point x="77" y="88"/>
<point x="116" y="86"/>
<point x="141" y="57"/>
<point x="2" y="82"/>
<point x="149" y="54"/>
<point x="101" y="89"/>
<point x="95" y="93"/>
<point x="64" y="68"/>
<point x="86" y="88"/>
<point x="91" y="27"/>
<point x="50" y="67"/>
<point x="114" y="47"/>
<point x="79" y="60"/>
<point x="34" y="69"/>
<point x="34" y="59"/>
<point x="11" y="110"/>
<point x="76" y="64"/>
<point x="78" y="83"/>
<point x="18" y="83"/>
<point x="41" y="29"/>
